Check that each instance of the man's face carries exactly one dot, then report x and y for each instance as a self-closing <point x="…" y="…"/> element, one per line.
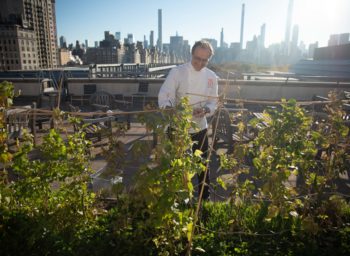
<point x="200" y="58"/>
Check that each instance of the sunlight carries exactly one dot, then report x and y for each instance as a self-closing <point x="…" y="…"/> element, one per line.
<point x="314" y="17"/>
<point x="316" y="12"/>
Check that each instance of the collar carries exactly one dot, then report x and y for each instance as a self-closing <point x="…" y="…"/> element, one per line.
<point x="192" y="68"/>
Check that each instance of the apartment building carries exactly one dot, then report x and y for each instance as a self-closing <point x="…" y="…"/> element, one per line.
<point x="28" y="37"/>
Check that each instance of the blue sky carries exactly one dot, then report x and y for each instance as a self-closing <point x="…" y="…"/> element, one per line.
<point x="192" y="19"/>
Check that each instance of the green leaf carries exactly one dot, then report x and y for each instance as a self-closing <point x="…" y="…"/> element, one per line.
<point x="198" y="153"/>
<point x="189" y="230"/>
<point x="7" y="199"/>
<point x="221" y="183"/>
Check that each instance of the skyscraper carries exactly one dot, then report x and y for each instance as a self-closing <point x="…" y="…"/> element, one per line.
<point x="29" y="27"/>
<point x="222" y="38"/>
<point x="288" y="28"/>
<point x="176" y="48"/>
<point x="339" y="39"/>
<point x="242" y="27"/>
<point x="294" y="52"/>
<point x="63" y="42"/>
<point x="160" y="40"/>
<point x="151" y="39"/>
<point x="117" y="36"/>
<point x="295" y="36"/>
<point x="145" y="42"/>
<point x="130" y="38"/>
<point x="262" y="36"/>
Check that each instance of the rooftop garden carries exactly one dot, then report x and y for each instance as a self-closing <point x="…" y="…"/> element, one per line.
<point x="48" y="208"/>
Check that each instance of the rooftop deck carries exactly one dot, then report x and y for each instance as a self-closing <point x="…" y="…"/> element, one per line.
<point x="140" y="136"/>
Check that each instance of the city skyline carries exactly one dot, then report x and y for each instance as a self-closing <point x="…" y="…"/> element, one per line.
<point x="317" y="19"/>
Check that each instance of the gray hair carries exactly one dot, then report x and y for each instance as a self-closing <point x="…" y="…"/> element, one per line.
<point x="203" y="44"/>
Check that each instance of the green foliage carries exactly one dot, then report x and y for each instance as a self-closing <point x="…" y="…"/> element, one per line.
<point x="306" y="216"/>
<point x="50" y="197"/>
<point x="6" y="96"/>
<point x="46" y="207"/>
<point x="164" y="185"/>
<point x="46" y="203"/>
<point x="283" y="148"/>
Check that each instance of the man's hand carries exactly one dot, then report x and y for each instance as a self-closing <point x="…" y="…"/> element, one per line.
<point x="200" y="112"/>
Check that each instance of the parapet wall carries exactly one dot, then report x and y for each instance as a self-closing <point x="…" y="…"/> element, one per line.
<point x="149" y="87"/>
<point x="263" y="90"/>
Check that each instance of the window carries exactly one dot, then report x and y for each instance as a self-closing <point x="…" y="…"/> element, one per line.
<point x="89" y="88"/>
<point x="143" y="87"/>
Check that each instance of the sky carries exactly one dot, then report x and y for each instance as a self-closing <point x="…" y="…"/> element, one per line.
<point x="194" y="20"/>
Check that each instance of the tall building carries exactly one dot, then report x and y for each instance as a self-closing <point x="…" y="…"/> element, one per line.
<point x="339" y="39"/>
<point x="117" y="36"/>
<point x="129" y="39"/>
<point x="176" y="49"/>
<point x="64" y="56"/>
<point x="295" y="36"/>
<point x="86" y="43"/>
<point x="312" y="48"/>
<point x="288" y="28"/>
<point x="28" y="33"/>
<point x="145" y="42"/>
<point x="242" y="27"/>
<point x="63" y="42"/>
<point x="222" y="38"/>
<point x="262" y="35"/>
<point x="344" y="38"/>
<point x="160" y="40"/>
<point x="151" y="39"/>
<point x="333" y="40"/>
<point x="294" y="52"/>
<point x="107" y="35"/>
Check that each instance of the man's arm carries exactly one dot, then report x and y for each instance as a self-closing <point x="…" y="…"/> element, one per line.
<point x="212" y="101"/>
<point x="167" y="93"/>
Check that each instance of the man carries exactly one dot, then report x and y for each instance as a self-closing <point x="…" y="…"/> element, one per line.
<point x="195" y="81"/>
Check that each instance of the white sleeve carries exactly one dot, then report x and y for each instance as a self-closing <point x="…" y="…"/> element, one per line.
<point x="167" y="92"/>
<point x="213" y="101"/>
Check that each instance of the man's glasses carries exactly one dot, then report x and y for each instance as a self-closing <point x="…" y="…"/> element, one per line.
<point x="196" y="58"/>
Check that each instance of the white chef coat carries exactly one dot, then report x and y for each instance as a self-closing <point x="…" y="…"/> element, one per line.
<point x="184" y="81"/>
